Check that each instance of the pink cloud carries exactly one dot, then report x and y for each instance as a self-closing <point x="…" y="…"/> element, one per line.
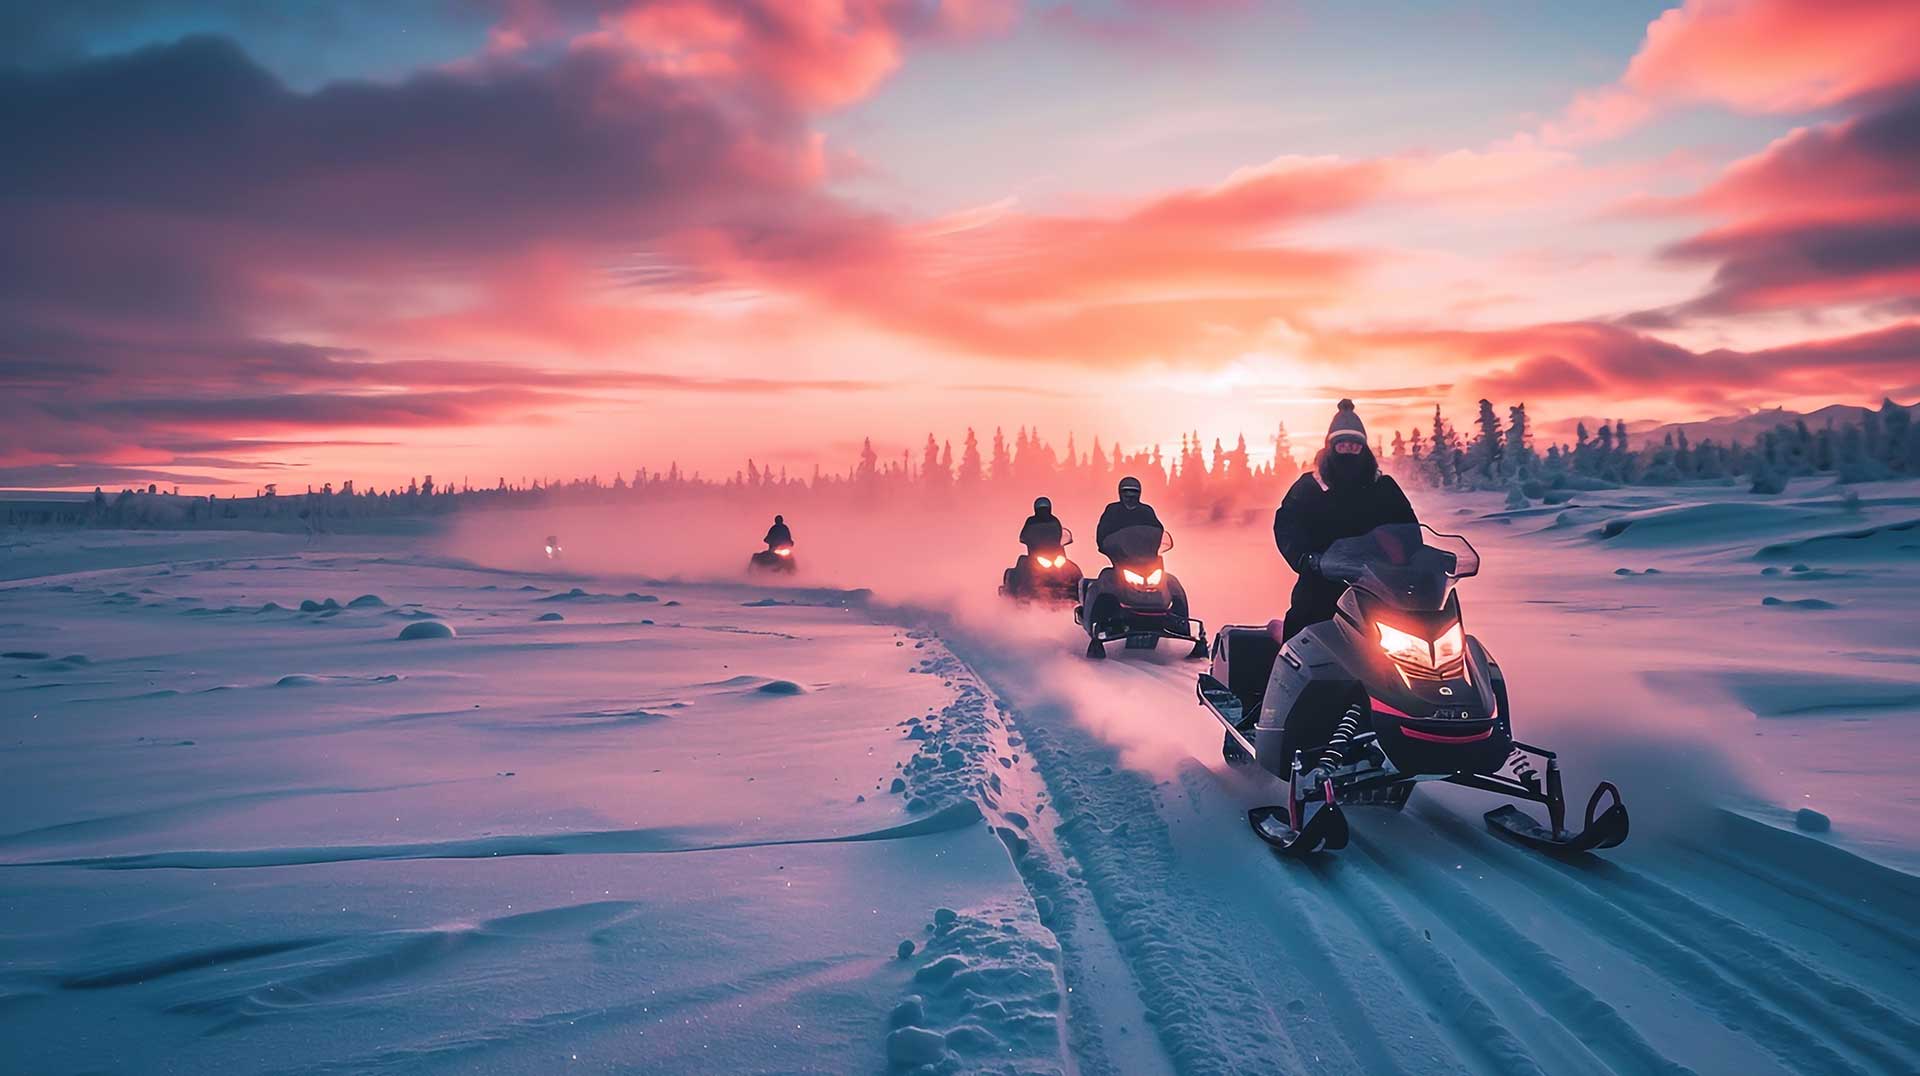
<point x="1756" y="56"/>
<point x="1590" y="361"/>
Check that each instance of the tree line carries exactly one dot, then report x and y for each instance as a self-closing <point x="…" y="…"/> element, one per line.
<point x="1220" y="483"/>
<point x="1881" y="444"/>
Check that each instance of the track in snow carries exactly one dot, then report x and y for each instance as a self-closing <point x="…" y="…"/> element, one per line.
<point x="1429" y="945"/>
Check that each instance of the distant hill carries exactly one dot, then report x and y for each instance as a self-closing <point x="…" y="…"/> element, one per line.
<point x="1746" y="427"/>
<point x="1750" y="426"/>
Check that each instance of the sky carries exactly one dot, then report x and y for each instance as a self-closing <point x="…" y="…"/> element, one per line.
<point x="252" y="241"/>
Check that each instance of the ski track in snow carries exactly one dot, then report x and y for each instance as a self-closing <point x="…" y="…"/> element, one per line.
<point x="1336" y="964"/>
<point x="1430" y="945"/>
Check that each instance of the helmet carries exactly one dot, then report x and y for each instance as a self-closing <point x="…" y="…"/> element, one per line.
<point x="779" y="519"/>
<point x="1130" y="489"/>
<point x="1042" y="504"/>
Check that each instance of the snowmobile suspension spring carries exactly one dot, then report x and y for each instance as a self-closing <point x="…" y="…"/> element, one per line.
<point x="1522" y="767"/>
<point x="1343" y="734"/>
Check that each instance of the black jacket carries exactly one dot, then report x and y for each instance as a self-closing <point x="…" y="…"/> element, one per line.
<point x="1119" y="517"/>
<point x="779" y="535"/>
<point x="1041" y="532"/>
<point x="1311" y="518"/>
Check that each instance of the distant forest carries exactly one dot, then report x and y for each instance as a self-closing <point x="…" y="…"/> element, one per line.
<point x="1196" y="483"/>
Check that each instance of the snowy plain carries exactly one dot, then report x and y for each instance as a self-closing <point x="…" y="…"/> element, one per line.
<point x="644" y="815"/>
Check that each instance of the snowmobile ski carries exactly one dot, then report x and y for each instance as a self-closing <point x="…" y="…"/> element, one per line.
<point x="1324" y="827"/>
<point x="1606" y="831"/>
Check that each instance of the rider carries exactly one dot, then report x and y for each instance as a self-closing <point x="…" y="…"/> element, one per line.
<point x="778" y="536"/>
<point x="1345" y="496"/>
<point x="1041" y="532"/>
<point x="1128" y="511"/>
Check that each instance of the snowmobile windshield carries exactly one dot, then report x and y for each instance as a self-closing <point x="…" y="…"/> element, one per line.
<point x="1133" y="544"/>
<point x="1407" y="565"/>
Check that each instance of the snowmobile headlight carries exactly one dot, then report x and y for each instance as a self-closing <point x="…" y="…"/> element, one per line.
<point x="783" y="551"/>
<point x="1403" y="647"/>
<point x="1449" y="646"/>
<point x="1134" y="577"/>
<point x="1045" y="563"/>
<point x="1154" y="577"/>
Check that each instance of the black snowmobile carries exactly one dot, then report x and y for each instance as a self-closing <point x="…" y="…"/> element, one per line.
<point x="1043" y="574"/>
<point x="1390" y="692"/>
<point x="774" y="558"/>
<point x="1136" y="599"/>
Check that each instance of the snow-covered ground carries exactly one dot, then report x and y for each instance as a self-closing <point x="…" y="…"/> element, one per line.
<point x="709" y="826"/>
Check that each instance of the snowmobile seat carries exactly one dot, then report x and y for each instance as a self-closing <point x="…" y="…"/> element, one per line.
<point x="1247" y="654"/>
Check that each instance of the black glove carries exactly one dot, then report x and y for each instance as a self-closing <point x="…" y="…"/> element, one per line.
<point x="1310" y="563"/>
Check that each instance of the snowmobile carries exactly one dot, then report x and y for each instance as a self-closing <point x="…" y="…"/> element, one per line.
<point x="774" y="558"/>
<point x="1043" y="574"/>
<point x="1136" y="599"/>
<point x="1391" y="692"/>
<point x="553" y="547"/>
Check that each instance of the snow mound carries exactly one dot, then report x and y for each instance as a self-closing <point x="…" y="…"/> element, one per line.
<point x="298" y="680"/>
<point x="1811" y="820"/>
<point x="1797" y="603"/>
<point x="25" y="655"/>
<point x="1891" y="540"/>
<point x="1696" y="524"/>
<point x="1791" y="692"/>
<point x="578" y="594"/>
<point x="367" y="601"/>
<point x="311" y="606"/>
<point x="780" y="687"/>
<point x="549" y="617"/>
<point x="427" y="629"/>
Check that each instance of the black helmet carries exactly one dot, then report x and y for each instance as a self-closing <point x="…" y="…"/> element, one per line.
<point x="779" y="519"/>
<point x="1129" y="488"/>
<point x="1042" y="504"/>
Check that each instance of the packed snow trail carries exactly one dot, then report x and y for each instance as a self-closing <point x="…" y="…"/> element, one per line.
<point x="1711" y="942"/>
<point x="1431" y="945"/>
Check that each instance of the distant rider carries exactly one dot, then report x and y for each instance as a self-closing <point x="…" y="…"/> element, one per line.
<point x="1343" y="497"/>
<point x="1041" y="533"/>
<point x="778" y="536"/>
<point x="1128" y="511"/>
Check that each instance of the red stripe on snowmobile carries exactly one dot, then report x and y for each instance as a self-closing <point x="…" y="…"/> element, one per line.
<point x="1435" y="737"/>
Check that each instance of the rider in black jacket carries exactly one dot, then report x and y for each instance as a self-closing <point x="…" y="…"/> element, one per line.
<point x="1346" y="495"/>
<point x="1128" y="511"/>
<point x="1042" y="531"/>
<point x="778" y="535"/>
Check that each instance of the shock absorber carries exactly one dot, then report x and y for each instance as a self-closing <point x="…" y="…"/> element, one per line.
<point x="1343" y="734"/>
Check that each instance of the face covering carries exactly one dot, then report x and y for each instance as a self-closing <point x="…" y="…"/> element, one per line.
<point x="1348" y="471"/>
